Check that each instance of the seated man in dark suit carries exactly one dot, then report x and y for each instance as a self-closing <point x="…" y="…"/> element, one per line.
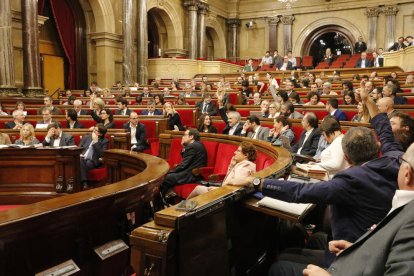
<point x="232" y="120"/>
<point x="93" y="149"/>
<point x="55" y="137"/>
<point x="399" y="45"/>
<point x="194" y="156"/>
<point x="122" y="107"/>
<point x="47" y="117"/>
<point x="389" y="243"/>
<point x="146" y="92"/>
<point x="72" y="119"/>
<point x="77" y="105"/>
<point x="206" y="106"/>
<point x="390" y="90"/>
<point x="18" y="120"/>
<point x="363" y="62"/>
<point x="377" y="61"/>
<point x="48" y="101"/>
<point x="151" y="110"/>
<point x="309" y="139"/>
<point x="332" y="108"/>
<point x="138" y="133"/>
<point x="286" y="64"/>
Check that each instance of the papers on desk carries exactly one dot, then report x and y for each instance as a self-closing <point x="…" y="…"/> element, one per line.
<point x="4" y="146"/>
<point x="298" y="209"/>
<point x="311" y="168"/>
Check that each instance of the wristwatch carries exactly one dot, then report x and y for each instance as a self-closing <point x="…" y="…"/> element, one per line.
<point x="256" y="183"/>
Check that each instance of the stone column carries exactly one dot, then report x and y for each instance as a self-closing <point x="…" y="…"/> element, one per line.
<point x="142" y="37"/>
<point x="390" y="12"/>
<point x="273" y="21"/>
<point x="234" y="25"/>
<point x="7" y="85"/>
<point x="128" y="42"/>
<point x="372" y="14"/>
<point x="31" y="57"/>
<point x="202" y="44"/>
<point x="192" y="7"/>
<point x="287" y="21"/>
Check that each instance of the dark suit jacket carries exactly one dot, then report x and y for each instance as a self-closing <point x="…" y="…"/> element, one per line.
<point x="237" y="132"/>
<point x="386" y="250"/>
<point x="175" y="120"/>
<point x="140" y="136"/>
<point x="83" y="112"/>
<point x="210" y="109"/>
<point x="288" y="67"/>
<point x="360" y="47"/>
<point x="76" y="125"/>
<point x="65" y="140"/>
<point x="380" y="62"/>
<point x="396" y="47"/>
<point x="119" y="111"/>
<point x="98" y="148"/>
<point x="194" y="156"/>
<point x="99" y="121"/>
<point x="11" y="125"/>
<point x="211" y="129"/>
<point x="311" y="144"/>
<point x="156" y="112"/>
<point x="359" y="196"/>
<point x="368" y="63"/>
<point x="277" y="61"/>
<point x="55" y="111"/>
<point x="400" y="100"/>
<point x="340" y="115"/>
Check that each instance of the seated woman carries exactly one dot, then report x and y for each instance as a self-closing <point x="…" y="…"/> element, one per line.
<point x="328" y="56"/>
<point x="332" y="158"/>
<point x="159" y="99"/>
<point x="363" y="115"/>
<point x="105" y="117"/>
<point x="294" y="98"/>
<point x="174" y="120"/>
<point x="27" y="136"/>
<point x="274" y="110"/>
<point x="241" y="165"/>
<point x="206" y="125"/>
<point x="314" y="99"/>
<point x="2" y="112"/>
<point x="282" y="97"/>
<point x="349" y="98"/>
<point x="96" y="105"/>
<point x="181" y="100"/>
<point x="20" y="106"/>
<point x="222" y="96"/>
<point x="281" y="127"/>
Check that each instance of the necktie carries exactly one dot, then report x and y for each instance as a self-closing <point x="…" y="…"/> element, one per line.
<point x="204" y="108"/>
<point x="89" y="152"/>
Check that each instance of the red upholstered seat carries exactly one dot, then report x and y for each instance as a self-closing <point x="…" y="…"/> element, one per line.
<point x="97" y="176"/>
<point x="263" y="161"/>
<point x="175" y="152"/>
<point x="186" y="116"/>
<point x="220" y="125"/>
<point x="226" y="152"/>
<point x="8" y="207"/>
<point x="298" y="131"/>
<point x="184" y="190"/>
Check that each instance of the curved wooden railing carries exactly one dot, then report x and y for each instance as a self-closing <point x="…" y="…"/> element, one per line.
<point x="188" y="243"/>
<point x="41" y="235"/>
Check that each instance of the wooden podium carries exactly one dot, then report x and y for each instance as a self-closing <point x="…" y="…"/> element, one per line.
<point x="30" y="175"/>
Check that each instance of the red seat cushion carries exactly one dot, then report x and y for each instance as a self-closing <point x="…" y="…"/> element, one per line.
<point x="226" y="154"/>
<point x="263" y="161"/>
<point x="297" y="129"/>
<point x="184" y="190"/>
<point x="211" y="149"/>
<point x="186" y="116"/>
<point x="97" y="175"/>
<point x="8" y="207"/>
<point x="175" y="152"/>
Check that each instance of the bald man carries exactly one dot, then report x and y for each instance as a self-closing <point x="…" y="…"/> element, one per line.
<point x="386" y="105"/>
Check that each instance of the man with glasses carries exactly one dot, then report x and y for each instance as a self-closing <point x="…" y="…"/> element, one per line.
<point x="194" y="156"/>
<point x="138" y="133"/>
<point x="18" y="120"/>
<point x="93" y="146"/>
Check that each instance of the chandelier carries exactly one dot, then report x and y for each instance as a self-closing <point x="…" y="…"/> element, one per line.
<point x="288" y="3"/>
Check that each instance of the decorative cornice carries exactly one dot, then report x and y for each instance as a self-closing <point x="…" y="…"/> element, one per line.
<point x="234" y="22"/>
<point x="373" y="12"/>
<point x="203" y="7"/>
<point x="390" y="10"/>
<point x="288" y="19"/>
<point x="191" y="5"/>
<point x="272" y="20"/>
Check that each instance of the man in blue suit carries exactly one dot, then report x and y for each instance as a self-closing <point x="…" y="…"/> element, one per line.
<point x="151" y="110"/>
<point x="332" y="108"/>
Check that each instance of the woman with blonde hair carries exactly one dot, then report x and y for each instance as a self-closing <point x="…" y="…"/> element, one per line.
<point x="27" y="136"/>
<point x="363" y="114"/>
<point x="274" y="110"/>
<point x="174" y="120"/>
<point x="222" y="96"/>
<point x="96" y="105"/>
<point x="241" y="166"/>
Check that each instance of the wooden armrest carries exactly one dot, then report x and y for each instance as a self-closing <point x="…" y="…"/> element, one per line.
<point x="204" y="171"/>
<point x="217" y="177"/>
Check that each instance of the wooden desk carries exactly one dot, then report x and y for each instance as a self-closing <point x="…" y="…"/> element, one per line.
<point x="30" y="175"/>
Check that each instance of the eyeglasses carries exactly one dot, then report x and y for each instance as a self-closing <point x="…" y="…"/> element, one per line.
<point x="401" y="160"/>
